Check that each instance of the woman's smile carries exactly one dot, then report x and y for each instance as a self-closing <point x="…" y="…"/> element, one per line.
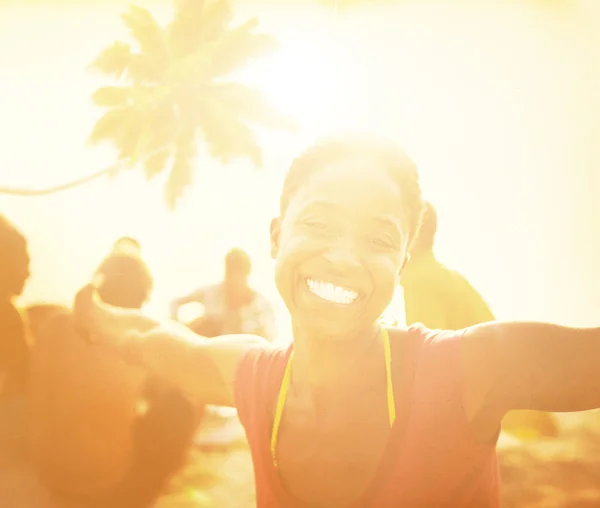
<point x="331" y="292"/>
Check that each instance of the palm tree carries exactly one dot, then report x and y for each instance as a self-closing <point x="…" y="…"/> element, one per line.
<point x="175" y="92"/>
<point x="172" y="90"/>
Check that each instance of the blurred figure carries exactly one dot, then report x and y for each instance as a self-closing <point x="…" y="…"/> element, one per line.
<point x="128" y="244"/>
<point x="91" y="443"/>
<point x="435" y="295"/>
<point x="163" y="432"/>
<point x="125" y="280"/>
<point x="14" y="348"/>
<point x="14" y="272"/>
<point x="441" y="298"/>
<point x="232" y="306"/>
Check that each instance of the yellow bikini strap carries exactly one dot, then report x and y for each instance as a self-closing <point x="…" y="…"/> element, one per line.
<point x="285" y="384"/>
<point x="283" y="390"/>
<point x="391" y="402"/>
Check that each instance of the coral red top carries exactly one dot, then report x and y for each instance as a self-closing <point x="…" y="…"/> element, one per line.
<point x="432" y="459"/>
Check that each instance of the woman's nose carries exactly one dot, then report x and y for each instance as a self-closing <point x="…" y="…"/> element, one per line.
<point x="343" y="255"/>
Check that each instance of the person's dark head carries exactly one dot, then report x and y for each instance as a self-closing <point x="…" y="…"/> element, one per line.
<point x="237" y="267"/>
<point x="14" y="260"/>
<point x="126" y="280"/>
<point x="426" y="237"/>
<point x="128" y="244"/>
<point x="349" y="211"/>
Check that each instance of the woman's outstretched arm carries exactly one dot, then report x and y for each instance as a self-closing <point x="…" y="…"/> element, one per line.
<point x="536" y="366"/>
<point x="203" y="368"/>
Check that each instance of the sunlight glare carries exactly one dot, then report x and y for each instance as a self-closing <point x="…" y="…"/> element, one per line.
<point x="304" y="78"/>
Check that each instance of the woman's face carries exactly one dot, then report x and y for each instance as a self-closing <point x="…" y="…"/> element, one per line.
<point x="340" y="248"/>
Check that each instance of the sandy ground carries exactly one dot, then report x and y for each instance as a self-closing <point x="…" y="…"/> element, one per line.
<point x="562" y="472"/>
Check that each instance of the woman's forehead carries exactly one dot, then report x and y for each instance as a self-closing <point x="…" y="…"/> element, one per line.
<point x="353" y="184"/>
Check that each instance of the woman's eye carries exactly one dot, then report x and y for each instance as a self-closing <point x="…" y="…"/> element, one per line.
<point x="381" y="242"/>
<point x="316" y="224"/>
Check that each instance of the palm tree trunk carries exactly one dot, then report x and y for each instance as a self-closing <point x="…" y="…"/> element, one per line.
<point x="12" y="191"/>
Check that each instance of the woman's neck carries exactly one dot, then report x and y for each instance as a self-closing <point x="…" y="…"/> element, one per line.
<point x="326" y="364"/>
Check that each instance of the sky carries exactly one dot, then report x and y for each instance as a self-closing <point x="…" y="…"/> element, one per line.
<point x="497" y="103"/>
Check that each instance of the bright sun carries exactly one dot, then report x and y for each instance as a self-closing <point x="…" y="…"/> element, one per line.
<point x="303" y="78"/>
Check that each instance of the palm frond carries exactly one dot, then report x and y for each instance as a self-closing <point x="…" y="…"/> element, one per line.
<point x="182" y="172"/>
<point x="216" y="16"/>
<point x="196" y="22"/>
<point x="156" y="163"/>
<point x="238" y="46"/>
<point x="113" y="96"/>
<point x="142" y="70"/>
<point x="142" y="144"/>
<point x="159" y="131"/>
<point x="111" y="122"/>
<point x="118" y="61"/>
<point x="231" y="51"/>
<point x="183" y="32"/>
<point x="150" y="37"/>
<point x="227" y="137"/>
<point x="114" y="60"/>
<point x="250" y="104"/>
<point x="122" y="127"/>
<point x="141" y="96"/>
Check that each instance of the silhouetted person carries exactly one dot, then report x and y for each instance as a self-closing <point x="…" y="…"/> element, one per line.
<point x="232" y="306"/>
<point x="440" y="298"/>
<point x="128" y="244"/>
<point x="91" y="444"/>
<point x="14" y="272"/>
<point x="126" y="280"/>
<point x="14" y="350"/>
<point x="83" y="411"/>
<point x="434" y="295"/>
<point x="164" y="432"/>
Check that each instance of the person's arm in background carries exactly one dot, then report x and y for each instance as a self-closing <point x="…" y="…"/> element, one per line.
<point x="197" y="296"/>
<point x="204" y="369"/>
<point x="536" y="366"/>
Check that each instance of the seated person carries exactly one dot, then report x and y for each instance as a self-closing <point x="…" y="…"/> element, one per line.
<point x="231" y="306"/>
<point x="128" y="244"/>
<point x="14" y="351"/>
<point x="89" y="440"/>
<point x="14" y="348"/>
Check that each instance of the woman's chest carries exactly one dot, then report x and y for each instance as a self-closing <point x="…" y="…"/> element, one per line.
<point x="331" y="459"/>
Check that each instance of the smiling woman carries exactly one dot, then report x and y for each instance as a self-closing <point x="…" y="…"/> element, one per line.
<point x="347" y="286"/>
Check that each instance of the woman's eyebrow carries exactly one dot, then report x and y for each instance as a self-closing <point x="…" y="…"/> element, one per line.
<point x="386" y="221"/>
<point x="321" y="204"/>
<point x="389" y="225"/>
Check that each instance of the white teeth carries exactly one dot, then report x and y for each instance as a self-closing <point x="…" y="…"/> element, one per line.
<point x="331" y="292"/>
